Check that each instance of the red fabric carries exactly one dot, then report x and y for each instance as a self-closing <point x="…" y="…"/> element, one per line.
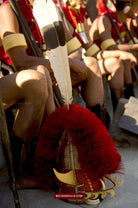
<point x="82" y="179"/>
<point x="120" y="27"/>
<point x="4" y="57"/>
<point x="4" y="1"/>
<point x="78" y="18"/>
<point x="28" y="15"/>
<point x="101" y="7"/>
<point x="97" y="153"/>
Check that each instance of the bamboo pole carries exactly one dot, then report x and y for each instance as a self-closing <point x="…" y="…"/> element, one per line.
<point x="4" y="136"/>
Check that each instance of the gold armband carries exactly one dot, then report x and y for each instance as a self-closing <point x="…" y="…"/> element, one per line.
<point x="92" y="50"/>
<point x="131" y="41"/>
<point x="73" y="44"/>
<point x="107" y="43"/>
<point x="14" y="40"/>
<point x="80" y="28"/>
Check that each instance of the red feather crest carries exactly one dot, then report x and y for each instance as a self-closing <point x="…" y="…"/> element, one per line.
<point x="97" y="153"/>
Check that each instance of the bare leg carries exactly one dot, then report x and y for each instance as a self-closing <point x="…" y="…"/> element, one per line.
<point x="92" y="88"/>
<point x="50" y="105"/>
<point x="92" y="91"/>
<point x="127" y="72"/>
<point x="28" y="87"/>
<point x="114" y="68"/>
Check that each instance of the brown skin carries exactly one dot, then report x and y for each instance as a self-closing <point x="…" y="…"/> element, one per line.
<point x="110" y="62"/>
<point x="92" y="87"/>
<point x="132" y="24"/>
<point x="101" y="29"/>
<point x="30" y="86"/>
<point x="31" y="3"/>
<point x="92" y="9"/>
<point x="31" y="76"/>
<point x="76" y="65"/>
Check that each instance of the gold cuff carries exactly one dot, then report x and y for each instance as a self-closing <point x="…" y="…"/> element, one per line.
<point x="131" y="41"/>
<point x="73" y="44"/>
<point x="92" y="50"/>
<point x="14" y="40"/>
<point x="80" y="28"/>
<point x="107" y="43"/>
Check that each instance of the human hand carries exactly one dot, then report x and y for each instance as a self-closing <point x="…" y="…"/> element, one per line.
<point x="127" y="56"/>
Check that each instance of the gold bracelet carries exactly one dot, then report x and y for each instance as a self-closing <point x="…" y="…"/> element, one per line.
<point x="73" y="44"/>
<point x="107" y="43"/>
<point x="14" y="40"/>
<point x="92" y="50"/>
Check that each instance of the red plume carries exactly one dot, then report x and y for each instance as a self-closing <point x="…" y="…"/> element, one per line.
<point x="97" y="153"/>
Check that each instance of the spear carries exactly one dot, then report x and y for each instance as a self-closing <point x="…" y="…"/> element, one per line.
<point x="4" y="136"/>
<point x="114" y="25"/>
<point x="129" y="33"/>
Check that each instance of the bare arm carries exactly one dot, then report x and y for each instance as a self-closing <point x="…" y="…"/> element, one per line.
<point x="123" y="55"/>
<point x="87" y="28"/>
<point x="132" y="25"/>
<point x="9" y="25"/>
<point x="92" y="9"/>
<point x="104" y="27"/>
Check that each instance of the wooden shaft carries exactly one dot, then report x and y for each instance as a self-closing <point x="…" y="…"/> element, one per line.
<point x="114" y="25"/>
<point x="26" y="30"/>
<point x="4" y="136"/>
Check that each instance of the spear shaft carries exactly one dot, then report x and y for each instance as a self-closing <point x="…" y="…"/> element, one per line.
<point x="26" y="30"/>
<point x="129" y="33"/>
<point x="4" y="136"/>
<point x="114" y="25"/>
